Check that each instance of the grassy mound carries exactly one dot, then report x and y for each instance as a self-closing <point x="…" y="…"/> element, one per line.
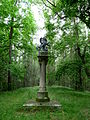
<point x="75" y="105"/>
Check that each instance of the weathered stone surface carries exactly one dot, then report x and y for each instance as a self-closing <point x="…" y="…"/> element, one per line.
<point x="42" y="104"/>
<point x="42" y="95"/>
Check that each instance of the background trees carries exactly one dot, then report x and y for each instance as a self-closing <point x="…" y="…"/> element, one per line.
<point x="70" y="42"/>
<point x="67" y="30"/>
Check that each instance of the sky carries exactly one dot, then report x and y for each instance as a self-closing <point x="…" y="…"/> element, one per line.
<point x="39" y="18"/>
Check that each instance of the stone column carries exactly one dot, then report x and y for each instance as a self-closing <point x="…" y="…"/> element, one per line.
<point x="42" y="95"/>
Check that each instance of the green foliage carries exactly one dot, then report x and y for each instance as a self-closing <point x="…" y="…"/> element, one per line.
<point x="70" y="8"/>
<point x="69" y="69"/>
<point x="50" y="27"/>
<point x="17" y="71"/>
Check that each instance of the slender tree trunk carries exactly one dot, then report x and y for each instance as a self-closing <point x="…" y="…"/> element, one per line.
<point x="79" y="82"/>
<point x="10" y="54"/>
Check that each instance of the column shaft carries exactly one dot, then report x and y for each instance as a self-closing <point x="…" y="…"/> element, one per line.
<point x="43" y="76"/>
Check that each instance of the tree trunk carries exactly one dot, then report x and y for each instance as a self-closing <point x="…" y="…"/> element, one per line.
<point x="79" y="82"/>
<point x="10" y="52"/>
<point x="80" y="85"/>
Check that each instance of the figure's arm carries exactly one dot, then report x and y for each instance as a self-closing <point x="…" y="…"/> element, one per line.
<point x="48" y="44"/>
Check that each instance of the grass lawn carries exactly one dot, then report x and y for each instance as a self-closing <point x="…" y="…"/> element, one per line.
<point x="75" y="105"/>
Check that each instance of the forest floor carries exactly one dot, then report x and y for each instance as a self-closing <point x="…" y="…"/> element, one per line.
<point x="75" y="105"/>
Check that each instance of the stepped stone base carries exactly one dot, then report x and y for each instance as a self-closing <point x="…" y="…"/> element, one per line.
<point x="51" y="104"/>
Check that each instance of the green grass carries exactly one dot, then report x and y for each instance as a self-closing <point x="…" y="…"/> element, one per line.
<point x="75" y="105"/>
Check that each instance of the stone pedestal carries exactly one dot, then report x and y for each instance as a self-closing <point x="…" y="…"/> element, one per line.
<point x="42" y="95"/>
<point x="42" y="99"/>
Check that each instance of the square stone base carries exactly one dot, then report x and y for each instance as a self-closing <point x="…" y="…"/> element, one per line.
<point x="42" y="97"/>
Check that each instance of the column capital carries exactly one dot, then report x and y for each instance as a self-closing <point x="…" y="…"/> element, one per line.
<point x="43" y="55"/>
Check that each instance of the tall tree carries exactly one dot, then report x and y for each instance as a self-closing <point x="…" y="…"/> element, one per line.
<point x="69" y="37"/>
<point x="17" y="29"/>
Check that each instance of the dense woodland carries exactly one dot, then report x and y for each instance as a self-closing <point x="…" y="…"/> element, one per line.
<point x="67" y="25"/>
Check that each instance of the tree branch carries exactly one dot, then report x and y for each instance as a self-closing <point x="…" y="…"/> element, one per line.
<point x="52" y="9"/>
<point x="46" y="4"/>
<point x="51" y="3"/>
<point x="84" y="51"/>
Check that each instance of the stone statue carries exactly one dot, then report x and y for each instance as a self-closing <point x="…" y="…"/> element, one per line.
<point x="43" y="45"/>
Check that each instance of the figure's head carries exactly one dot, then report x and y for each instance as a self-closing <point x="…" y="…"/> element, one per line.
<point x="44" y="40"/>
<point x="41" y="40"/>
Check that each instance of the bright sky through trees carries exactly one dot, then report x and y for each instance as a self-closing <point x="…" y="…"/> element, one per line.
<point x="39" y="17"/>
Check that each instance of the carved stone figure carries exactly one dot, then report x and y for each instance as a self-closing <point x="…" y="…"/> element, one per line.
<point x="43" y="45"/>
